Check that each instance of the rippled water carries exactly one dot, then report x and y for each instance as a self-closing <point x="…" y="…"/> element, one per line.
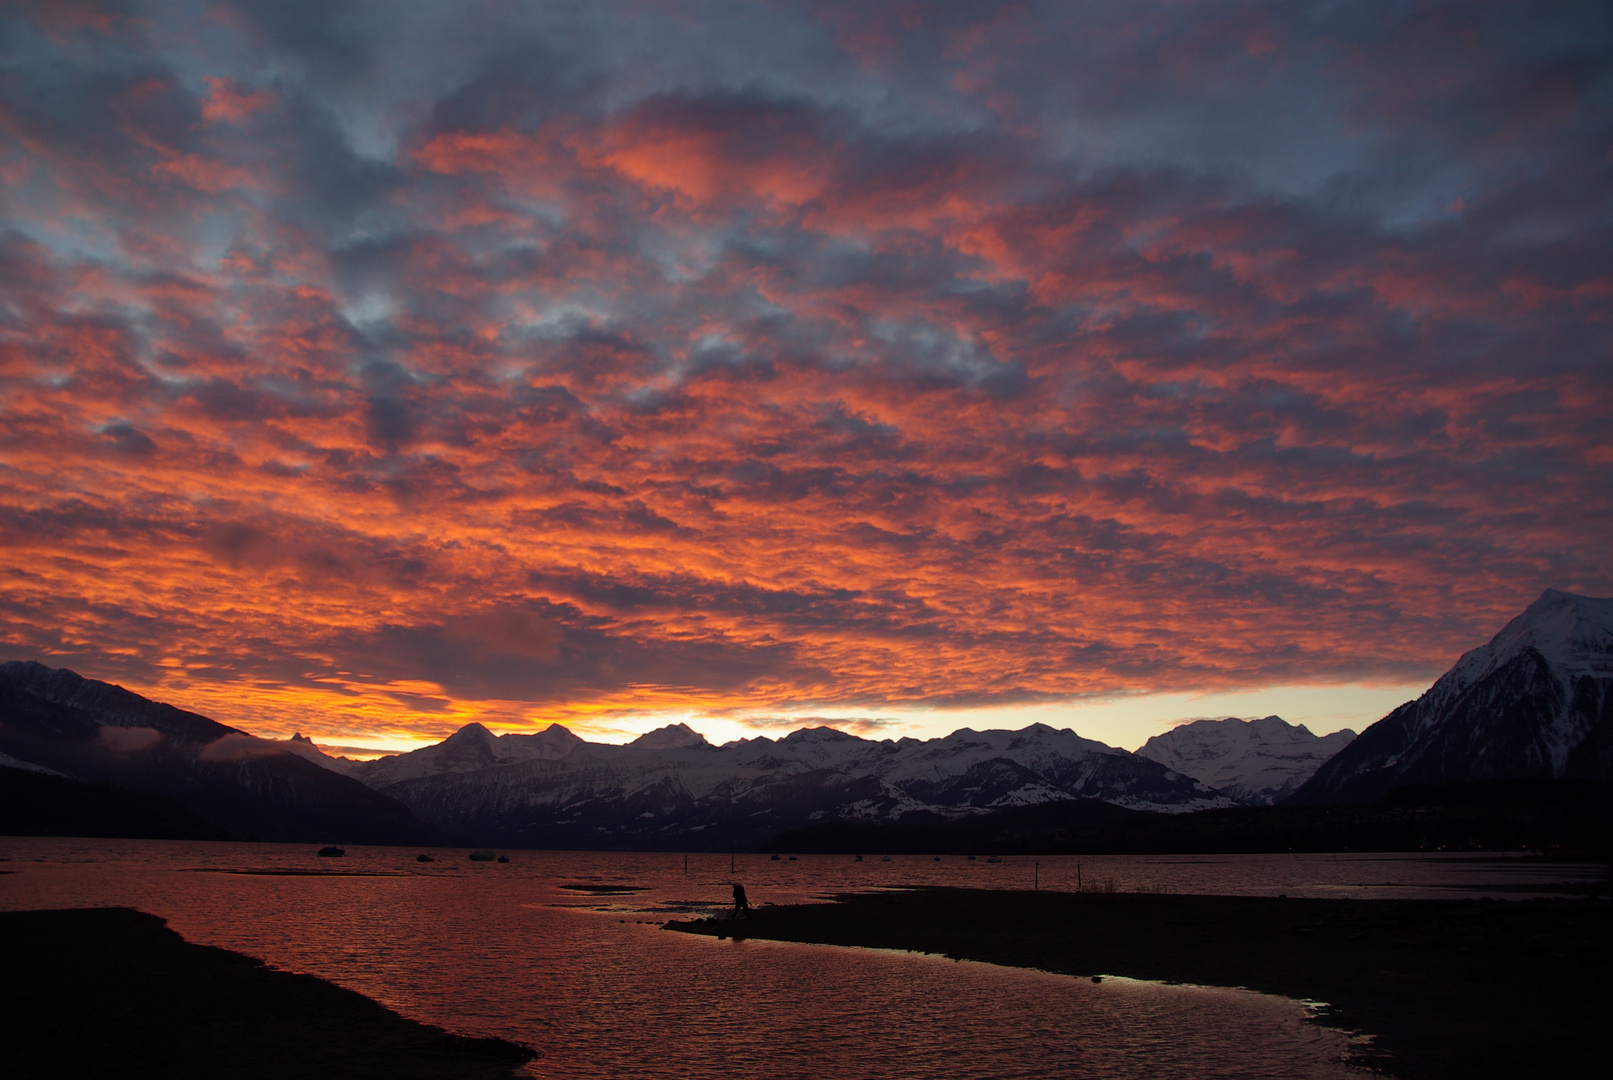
<point x="532" y="950"/>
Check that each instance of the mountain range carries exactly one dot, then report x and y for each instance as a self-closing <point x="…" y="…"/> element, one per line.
<point x="1535" y="702"/>
<point x="672" y="788"/>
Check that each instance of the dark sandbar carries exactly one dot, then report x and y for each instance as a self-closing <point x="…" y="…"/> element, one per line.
<point x="1448" y="988"/>
<point x="300" y="873"/>
<point x="112" y="992"/>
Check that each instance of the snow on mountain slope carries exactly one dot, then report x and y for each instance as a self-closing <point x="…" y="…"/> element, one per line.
<point x="671" y="783"/>
<point x="9" y="762"/>
<point x="304" y="748"/>
<point x="1254" y="761"/>
<point x="1536" y="701"/>
<point x="470" y="748"/>
<point x="1574" y="634"/>
<point x="671" y="737"/>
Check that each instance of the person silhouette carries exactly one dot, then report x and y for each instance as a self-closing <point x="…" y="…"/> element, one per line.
<point x="741" y="905"/>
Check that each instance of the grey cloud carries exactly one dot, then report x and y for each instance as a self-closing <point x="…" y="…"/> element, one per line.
<point x="128" y="439"/>
<point x="558" y="658"/>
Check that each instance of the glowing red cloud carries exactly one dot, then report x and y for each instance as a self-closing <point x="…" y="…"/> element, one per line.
<point x="228" y="104"/>
<point x="753" y="399"/>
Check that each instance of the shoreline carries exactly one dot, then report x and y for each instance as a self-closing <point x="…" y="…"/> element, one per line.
<point x="1445" y="988"/>
<point x="113" y="991"/>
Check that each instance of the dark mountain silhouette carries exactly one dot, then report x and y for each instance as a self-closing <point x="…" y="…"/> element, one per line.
<point x="252" y="788"/>
<point x="1537" y="701"/>
<point x="36" y="803"/>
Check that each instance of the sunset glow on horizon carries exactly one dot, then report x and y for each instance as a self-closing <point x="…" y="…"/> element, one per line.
<point x="368" y="370"/>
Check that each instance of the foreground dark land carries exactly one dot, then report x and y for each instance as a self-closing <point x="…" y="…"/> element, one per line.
<point x="1450" y="988"/>
<point x="114" y="992"/>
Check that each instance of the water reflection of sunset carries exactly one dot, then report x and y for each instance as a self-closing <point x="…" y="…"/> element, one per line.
<point x="873" y="370"/>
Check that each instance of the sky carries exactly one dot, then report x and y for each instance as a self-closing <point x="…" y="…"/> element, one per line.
<point x="367" y="369"/>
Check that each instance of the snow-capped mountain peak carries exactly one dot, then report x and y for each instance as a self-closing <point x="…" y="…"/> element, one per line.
<point x="672" y="787"/>
<point x="1254" y="761"/>
<point x="470" y="739"/>
<point x="820" y="735"/>
<point x="1535" y="701"/>
<point x="304" y="747"/>
<point x="471" y="748"/>
<point x="671" y="737"/>
<point x="1573" y="633"/>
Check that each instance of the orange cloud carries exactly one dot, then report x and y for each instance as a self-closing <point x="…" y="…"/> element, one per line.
<point x="933" y="390"/>
<point x="207" y="175"/>
<point x="225" y="102"/>
<point x="701" y="160"/>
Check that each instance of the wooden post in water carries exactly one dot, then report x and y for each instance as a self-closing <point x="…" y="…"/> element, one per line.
<point x="686" y="865"/>
<point x="1038" y="875"/>
<point x="730" y="862"/>
<point x="1078" y="873"/>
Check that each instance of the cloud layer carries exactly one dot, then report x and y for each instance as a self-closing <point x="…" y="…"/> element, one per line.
<point x="365" y="368"/>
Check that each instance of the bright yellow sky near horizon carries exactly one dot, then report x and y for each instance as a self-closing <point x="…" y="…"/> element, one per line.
<point x="1126" y="721"/>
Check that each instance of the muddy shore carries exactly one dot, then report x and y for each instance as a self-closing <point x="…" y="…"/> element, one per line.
<point x="112" y="992"/>
<point x="1447" y="988"/>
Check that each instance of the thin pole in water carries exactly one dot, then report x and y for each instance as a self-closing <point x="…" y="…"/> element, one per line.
<point x="1038" y="875"/>
<point x="730" y="862"/>
<point x="685" y="865"/>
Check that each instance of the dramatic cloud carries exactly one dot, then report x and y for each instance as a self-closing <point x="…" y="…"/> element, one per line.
<point x="365" y="369"/>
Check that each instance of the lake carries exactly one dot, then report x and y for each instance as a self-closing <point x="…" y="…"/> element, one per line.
<point x="564" y="951"/>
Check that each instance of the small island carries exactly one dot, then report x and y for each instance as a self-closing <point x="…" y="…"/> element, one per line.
<point x="1446" y="988"/>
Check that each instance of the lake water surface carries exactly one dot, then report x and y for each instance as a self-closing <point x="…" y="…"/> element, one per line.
<point x="546" y="950"/>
